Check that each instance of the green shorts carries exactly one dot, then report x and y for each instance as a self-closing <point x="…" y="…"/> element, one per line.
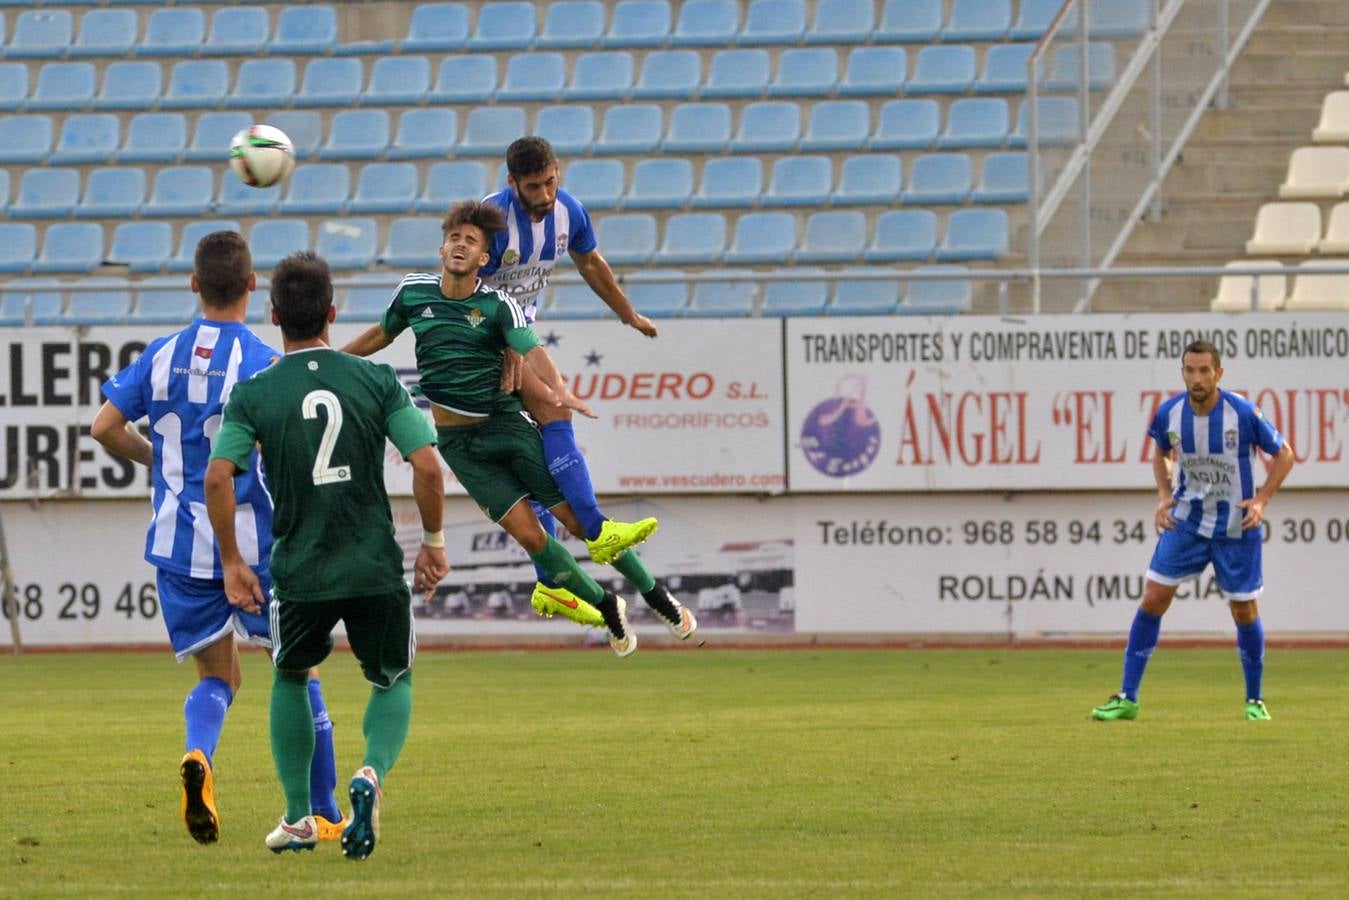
<point x="379" y="630"/>
<point x="499" y="463"/>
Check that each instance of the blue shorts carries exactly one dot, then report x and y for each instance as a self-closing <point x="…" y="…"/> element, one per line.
<point x="1181" y="555"/>
<point x="197" y="613"/>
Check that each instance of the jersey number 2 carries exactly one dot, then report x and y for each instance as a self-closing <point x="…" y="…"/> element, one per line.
<point x="324" y="471"/>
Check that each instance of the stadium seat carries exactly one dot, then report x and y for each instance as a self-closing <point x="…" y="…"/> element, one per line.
<point x="878" y="71"/>
<point x="357" y="134"/>
<point x="606" y="75"/>
<point x="1234" y="291"/>
<point x="974" y="234"/>
<point x="4" y="188"/>
<point x="572" y="24"/>
<point x="18" y="246"/>
<point x="272" y="240"/>
<point x="798" y="297"/>
<point x="192" y="234"/>
<point x="975" y="122"/>
<point x="20" y="305"/>
<point x="639" y="23"/>
<point x="1336" y="241"/>
<point x="978" y="20"/>
<point x="87" y="138"/>
<point x="722" y="299"/>
<point x="806" y="72"/>
<point x="737" y="73"/>
<point x="869" y="180"/>
<point x="63" y="85"/>
<point x="414" y="243"/>
<point x="215" y="130"/>
<point x="943" y="70"/>
<point x="1119" y="18"/>
<point x="930" y="297"/>
<point x="263" y="82"/>
<point x="176" y="31"/>
<point x="386" y="187"/>
<point x="838" y="125"/>
<point x="1319" y="291"/>
<point x="437" y="28"/>
<point x="367" y="303"/>
<point x="598" y="183"/>
<point x="40" y="34"/>
<point x="669" y="74"/>
<point x="181" y="191"/>
<point x="1033" y="18"/>
<point x="909" y="22"/>
<point x="763" y="237"/>
<point x="662" y="183"/>
<point x="424" y="133"/>
<point x="659" y="299"/>
<point x="109" y="305"/>
<point x="113" y="193"/>
<point x="863" y="297"/>
<point x="198" y="83"/>
<point x="903" y="235"/>
<point x="259" y="308"/>
<point x="13" y="86"/>
<point x="46" y="194"/>
<point x="398" y="81"/>
<point x="768" y="127"/>
<point x="449" y="182"/>
<point x="504" y="26"/>
<point x="491" y="129"/>
<point x="237" y="31"/>
<point x="28" y="138"/>
<point x="1005" y="69"/>
<point x="729" y="182"/>
<point x="1285" y="229"/>
<point x="698" y="128"/>
<point x="106" y="32"/>
<point x="630" y="128"/>
<point x="938" y="178"/>
<point x="706" y="23"/>
<point x="842" y="22"/>
<point x="303" y="30"/>
<point x="1334" y="125"/>
<point x="1059" y="123"/>
<point x="571" y="300"/>
<point x="166" y="301"/>
<point x="155" y="137"/>
<point x="628" y="240"/>
<point x="773" y="22"/>
<point x="75" y="247"/>
<point x="533" y="77"/>
<point x="800" y="181"/>
<point x="304" y="127"/>
<point x="1065" y="73"/>
<point x="570" y="128"/>
<point x="238" y="199"/>
<point x="1316" y="173"/>
<point x="317" y="188"/>
<point x="465" y="79"/>
<point x="331" y="81"/>
<point x="909" y="124"/>
<point x="833" y="237"/>
<point x="692" y="239"/>
<point x="1005" y="179"/>
<point x="130" y="84"/>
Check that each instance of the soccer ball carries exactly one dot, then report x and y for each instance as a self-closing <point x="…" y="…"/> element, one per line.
<point x="261" y="156"/>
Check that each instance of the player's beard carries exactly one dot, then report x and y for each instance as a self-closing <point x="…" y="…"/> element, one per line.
<point x="537" y="211"/>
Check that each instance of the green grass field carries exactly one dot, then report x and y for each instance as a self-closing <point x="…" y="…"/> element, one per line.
<point x="708" y="773"/>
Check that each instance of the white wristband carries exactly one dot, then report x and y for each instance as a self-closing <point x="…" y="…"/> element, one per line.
<point x="433" y="538"/>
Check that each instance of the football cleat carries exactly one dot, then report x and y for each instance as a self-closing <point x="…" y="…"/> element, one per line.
<point x="303" y="835"/>
<point x="622" y="639"/>
<point x="1256" y="711"/>
<point x="615" y="537"/>
<point x="362" y="831"/>
<point x="199" y="813"/>
<point x="550" y="601"/>
<point x="1117" y="707"/>
<point x="329" y="830"/>
<point x="677" y="617"/>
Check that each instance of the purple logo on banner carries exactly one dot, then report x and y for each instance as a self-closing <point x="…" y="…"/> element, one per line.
<point x="841" y="436"/>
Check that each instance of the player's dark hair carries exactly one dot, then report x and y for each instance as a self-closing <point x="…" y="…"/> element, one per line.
<point x="528" y="156"/>
<point x="302" y="294"/>
<point x="486" y="216"/>
<point x="222" y="264"/>
<point x="1203" y="346"/>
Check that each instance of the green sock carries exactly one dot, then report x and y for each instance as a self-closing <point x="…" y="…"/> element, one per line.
<point x="562" y="568"/>
<point x="292" y="725"/>
<point x="387" y="716"/>
<point x="629" y="564"/>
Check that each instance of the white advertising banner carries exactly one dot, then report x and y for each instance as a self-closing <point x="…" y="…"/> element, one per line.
<point x="1045" y="402"/>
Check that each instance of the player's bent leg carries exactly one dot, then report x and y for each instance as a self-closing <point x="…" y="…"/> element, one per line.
<point x="550" y="601"/>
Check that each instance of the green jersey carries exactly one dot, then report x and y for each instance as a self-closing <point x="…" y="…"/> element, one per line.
<point x="460" y="343"/>
<point x="321" y="417"/>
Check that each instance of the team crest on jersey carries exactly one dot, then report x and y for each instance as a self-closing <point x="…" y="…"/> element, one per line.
<point x="475" y="318"/>
<point x="1172" y="438"/>
<point x="510" y="257"/>
<point x="1230" y="439"/>
<point x="561" y="244"/>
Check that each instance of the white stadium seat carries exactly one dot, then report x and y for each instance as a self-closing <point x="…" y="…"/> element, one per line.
<point x="1336" y="241"/>
<point x="1319" y="291"/>
<point x="1334" y="125"/>
<point x="1316" y="172"/>
<point x="1234" y="291"/>
<point x="1285" y="229"/>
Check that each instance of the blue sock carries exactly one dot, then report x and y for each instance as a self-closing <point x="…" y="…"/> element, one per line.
<point x="1142" y="641"/>
<point x="572" y="475"/>
<point x="549" y="525"/>
<point x="1251" y="647"/>
<point x="323" y="765"/>
<point x="204" y="711"/>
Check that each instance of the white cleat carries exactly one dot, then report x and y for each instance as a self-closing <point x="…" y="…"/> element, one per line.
<point x="303" y="835"/>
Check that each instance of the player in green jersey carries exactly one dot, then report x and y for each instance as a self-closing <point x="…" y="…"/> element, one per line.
<point x="321" y="419"/>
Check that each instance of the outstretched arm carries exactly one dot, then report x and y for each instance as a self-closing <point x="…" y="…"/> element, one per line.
<point x="112" y="430"/>
<point x="596" y="272"/>
<point x="372" y="340"/>
<point x="241" y="582"/>
<point x="542" y="365"/>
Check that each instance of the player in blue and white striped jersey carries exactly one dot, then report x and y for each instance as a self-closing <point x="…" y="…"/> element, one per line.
<point x="181" y="382"/>
<point x="1213" y="515"/>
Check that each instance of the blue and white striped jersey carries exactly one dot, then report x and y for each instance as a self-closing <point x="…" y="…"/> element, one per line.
<point x="181" y="382"/>
<point x="1214" y="454"/>
<point x="523" y="256"/>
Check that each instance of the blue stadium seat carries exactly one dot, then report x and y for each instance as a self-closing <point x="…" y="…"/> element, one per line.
<point x="143" y="246"/>
<point x="108" y="306"/>
<point x="304" y="30"/>
<point x="838" y="125"/>
<point x="639" y="23"/>
<point x="571" y="300"/>
<point x="533" y="76"/>
<point x="367" y="303"/>
<point x="572" y="24"/>
<point x="13" y="86"/>
<point x="909" y="124"/>
<point x="331" y="81"/>
<point x="1119" y="19"/>
<point x="722" y="299"/>
<point x="598" y="183"/>
<point x="215" y="130"/>
<point x="28" y="139"/>
<point x="504" y="26"/>
<point x="491" y="129"/>
<point x="450" y="182"/>
<point x="398" y="81"/>
<point x="113" y="193"/>
<point x="978" y="20"/>
<point x="662" y="183"/>
<point x="155" y="137"/>
<point x="259" y="308"/>
<point x="238" y="199"/>
<point x="798" y="297"/>
<point x="304" y="127"/>
<point x="974" y="234"/>
<point x="937" y="298"/>
<point x="570" y="129"/>
<point x="698" y="128"/>
<point x="806" y="72"/>
<point x="768" y="127"/>
<point x="773" y="22"/>
<point x="191" y="235"/>
<point x="833" y="236"/>
<point x="878" y="71"/>
<point x="630" y="128"/>
<point x="425" y="133"/>
<point x="20" y="305"/>
<point x="842" y="22"/>
<point x="386" y="187"/>
<point x="40" y="33"/>
<point x="669" y="74"/>
<point x="909" y="21"/>
<point x="800" y="181"/>
<point x="465" y="79"/>
<point x="763" y="237"/>
<point x="874" y="179"/>
<point x="196" y="83"/>
<point x="172" y="303"/>
<point x="237" y="31"/>
<point x="106" y="32"/>
<point x="943" y="70"/>
<point x="70" y="247"/>
<point x="1005" y="67"/>
<point x="659" y="299"/>
<point x="693" y="238"/>
<point x="938" y="178"/>
<point x="502" y="178"/>
<point x="263" y="82"/>
<point x="357" y="134"/>
<point x="1058" y="121"/>
<point x="63" y="85"/>
<point x="737" y="73"/>
<point x="1033" y="18"/>
<point x="628" y="239"/>
<point x="601" y="76"/>
<point x="4" y="188"/>
<point x="181" y="191"/>
<point x="46" y="194"/>
<point x="436" y="27"/>
<point x="317" y="188"/>
<point x="272" y="240"/>
<point x="18" y="246"/>
<point x="1004" y="179"/>
<point x="1064" y="71"/>
<point x="903" y="235"/>
<point x="86" y="138"/>
<point x="706" y="23"/>
<point x="176" y="31"/>
<point x="414" y="243"/>
<point x="858" y="297"/>
<point x="130" y="85"/>
<point x="730" y="182"/>
<point x="975" y="122"/>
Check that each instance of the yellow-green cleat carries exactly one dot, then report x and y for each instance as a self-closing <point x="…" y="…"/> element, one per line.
<point x="1256" y="711"/>
<point x="615" y="537"/>
<point x="552" y="601"/>
<point x="1117" y="707"/>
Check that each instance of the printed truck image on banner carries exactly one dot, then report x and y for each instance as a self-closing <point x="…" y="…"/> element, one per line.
<point x="1042" y="403"/>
